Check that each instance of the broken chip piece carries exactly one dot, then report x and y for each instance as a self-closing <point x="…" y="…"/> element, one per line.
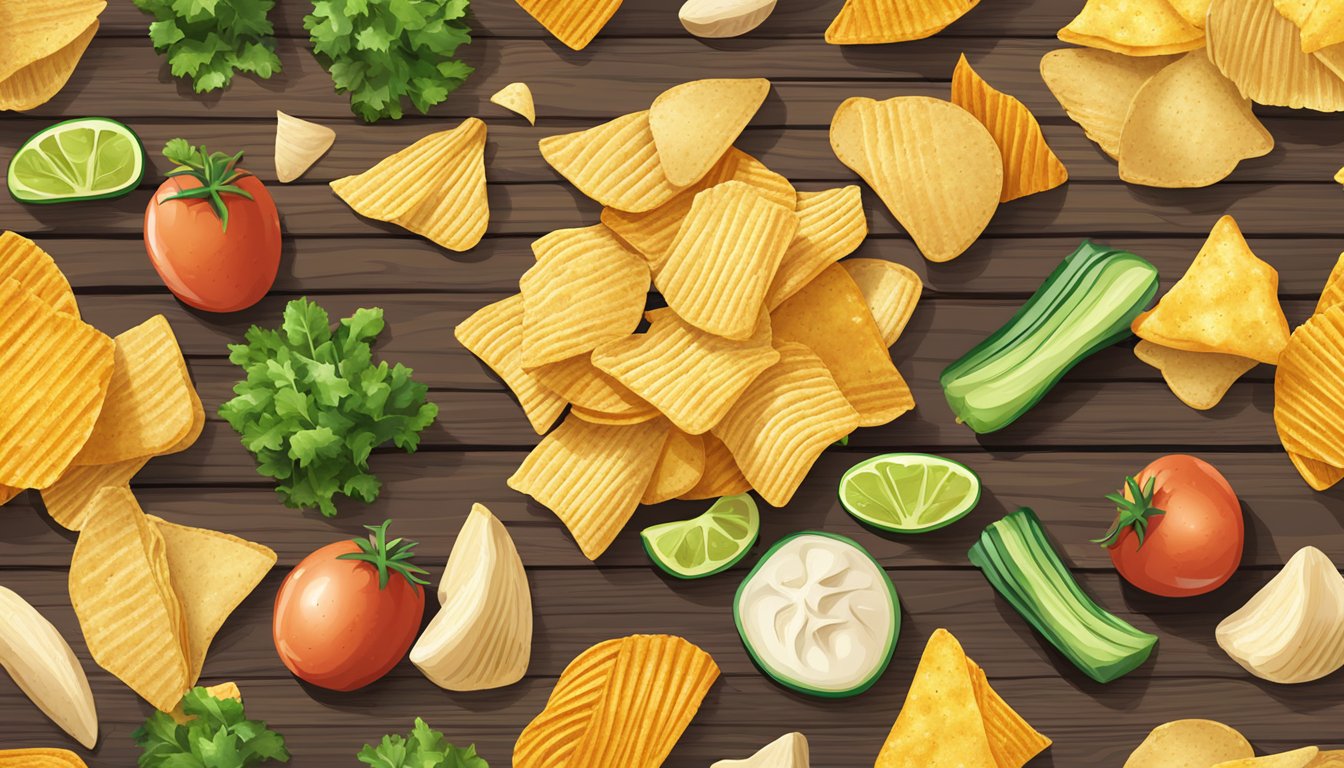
<point x="298" y="144"/>
<point x="517" y="98"/>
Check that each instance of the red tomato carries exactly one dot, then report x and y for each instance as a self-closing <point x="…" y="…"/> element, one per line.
<point x="1179" y="531"/>
<point x="335" y="627"/>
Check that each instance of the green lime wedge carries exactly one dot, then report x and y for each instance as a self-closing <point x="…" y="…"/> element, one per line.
<point x="909" y="492"/>
<point x="708" y="544"/>
<point x="89" y="158"/>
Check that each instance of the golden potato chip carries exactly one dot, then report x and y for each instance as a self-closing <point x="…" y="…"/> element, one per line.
<point x="1096" y="88"/>
<point x="1261" y="52"/>
<point x="1183" y="743"/>
<point x="517" y="97"/>
<point x="722" y="476"/>
<point x="573" y="22"/>
<point x="1029" y="165"/>
<point x="1339" y="176"/>
<point x="580" y="382"/>
<point x="495" y="335"/>
<point x="620" y="704"/>
<point x="54" y="371"/>
<point x="212" y="573"/>
<point x="386" y="190"/>
<point x="724" y="258"/>
<point x="1333" y="293"/>
<point x="690" y="376"/>
<point x="1309" y="389"/>
<point x="221" y="691"/>
<point x="1319" y="475"/>
<point x="1199" y="379"/>
<point x="592" y="476"/>
<point x="586" y="288"/>
<point x="934" y="165"/>
<point x="1011" y="738"/>
<point x="1324" y="27"/>
<point x="120" y="587"/>
<point x="1298" y="758"/>
<point x="830" y="317"/>
<point x="1330" y="759"/>
<point x="40" y="758"/>
<point x="622" y="418"/>
<point x="454" y="211"/>
<point x="652" y="232"/>
<point x="1132" y="27"/>
<point x="679" y="469"/>
<point x="1227" y="301"/>
<point x="831" y="225"/>
<point x="7" y="494"/>
<point x="21" y="259"/>
<point x="298" y="144"/>
<point x="1193" y="11"/>
<point x="694" y="124"/>
<point x="615" y="163"/>
<point x="891" y="21"/>
<point x="891" y="291"/>
<point x="784" y="420"/>
<point x="35" y="31"/>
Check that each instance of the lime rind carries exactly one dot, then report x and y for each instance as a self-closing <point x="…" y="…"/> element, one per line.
<point x="909" y="492"/>
<point x="88" y="158"/>
<point x="705" y="545"/>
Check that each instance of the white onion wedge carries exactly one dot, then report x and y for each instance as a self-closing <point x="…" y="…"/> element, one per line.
<point x="33" y="652"/>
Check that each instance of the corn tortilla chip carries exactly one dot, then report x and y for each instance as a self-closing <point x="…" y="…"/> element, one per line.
<point x="694" y="124"/>
<point x="592" y="476"/>
<point x="934" y="165"/>
<point x="1029" y="165"/>
<point x="831" y="225"/>
<point x="454" y="211"/>
<point x="580" y="382"/>
<point x="679" y="469"/>
<point x="615" y="163"/>
<point x="1261" y="52"/>
<point x="722" y="476"/>
<point x="830" y="317"/>
<point x="37" y="30"/>
<point x="517" y="98"/>
<point x="1309" y="389"/>
<point x="1096" y="88"/>
<point x="1011" y="738"/>
<point x="1199" y="379"/>
<point x="1333" y="293"/>
<point x="24" y="261"/>
<point x="724" y="258"/>
<point x="1319" y="475"/>
<point x="1227" y="301"/>
<point x="298" y="144"/>
<point x="891" y="290"/>
<point x="1189" y="742"/>
<point x="1132" y="27"/>
<point x="892" y="21"/>
<point x="40" y="758"/>
<point x="495" y="335"/>
<point x="221" y="691"/>
<point x="120" y="587"/>
<point x="573" y="22"/>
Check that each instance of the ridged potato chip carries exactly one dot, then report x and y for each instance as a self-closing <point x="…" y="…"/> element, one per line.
<point x="622" y="418"/>
<point x="40" y="758"/>
<point x="1096" y="88"/>
<point x="54" y="371"/>
<point x="1029" y="165"/>
<point x="24" y="261"/>
<point x="1133" y="27"/>
<point x="592" y="476"/>
<point x="783" y="421"/>
<point x="1309" y="389"/>
<point x="831" y="225"/>
<point x="830" y="317"/>
<point x="39" y="82"/>
<point x="694" y="123"/>
<point x="620" y="704"/>
<point x="892" y="290"/>
<point x="722" y="476"/>
<point x="1319" y="475"/>
<point x="934" y="165"/>
<point x="1227" y="302"/>
<point x="121" y="589"/>
<point x="517" y="98"/>
<point x="36" y="30"/>
<point x="1188" y="126"/>
<point x="863" y="22"/>
<point x="691" y="376"/>
<point x="587" y="287"/>
<point x="724" y="258"/>
<point x="679" y="469"/>
<point x="455" y="211"/>
<point x="1011" y="738"/>
<point x="1261" y="51"/>
<point x="384" y="191"/>
<point x="615" y="163"/>
<point x="1332" y="295"/>
<point x="7" y="494"/>
<point x="1189" y="742"/>
<point x="494" y="333"/>
<point x="581" y="383"/>
<point x="298" y="144"/>
<point x="573" y="22"/>
<point x="1199" y="379"/>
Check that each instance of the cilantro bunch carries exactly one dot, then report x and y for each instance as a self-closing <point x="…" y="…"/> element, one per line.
<point x="218" y="735"/>
<point x="425" y="748"/>
<point x="384" y="51"/>
<point x="314" y="405"/>
<point x="209" y="40"/>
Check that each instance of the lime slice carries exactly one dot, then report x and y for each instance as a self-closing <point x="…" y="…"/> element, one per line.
<point x="90" y="158"/>
<point x="909" y="492"/>
<point x="708" y="544"/>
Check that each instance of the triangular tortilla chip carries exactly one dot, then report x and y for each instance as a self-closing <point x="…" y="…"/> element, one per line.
<point x="1261" y="51"/>
<point x="23" y="260"/>
<point x="1199" y="379"/>
<point x="892" y="21"/>
<point x="722" y="476"/>
<point x="494" y="333"/>
<point x="1011" y="738"/>
<point x="694" y="123"/>
<point x="1226" y="302"/>
<point x="892" y="290"/>
<point x="680" y="467"/>
<point x="1096" y="88"/>
<point x="298" y="144"/>
<point x="615" y="163"/>
<point x="382" y="192"/>
<point x="1029" y="165"/>
<point x="1332" y="294"/>
<point x="573" y="22"/>
<point x="517" y="98"/>
<point x="1132" y="27"/>
<point x="831" y="225"/>
<point x="455" y="210"/>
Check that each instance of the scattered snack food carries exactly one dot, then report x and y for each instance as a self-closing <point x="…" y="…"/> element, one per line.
<point x="573" y="22"/>
<point x="1096" y="87"/>
<point x="43" y="44"/>
<point x="600" y="713"/>
<point x="705" y="545"/>
<point x="688" y="143"/>
<point x="724" y="18"/>
<point x="517" y="98"/>
<point x="481" y="638"/>
<point x="1261" y="51"/>
<point x="1084" y="306"/>
<point x="892" y="290"/>
<point x="1020" y="563"/>
<point x="423" y="746"/>
<point x="1190" y="742"/>
<point x="952" y="716"/>
<point x="680" y="467"/>
<point x="788" y="751"/>
<point x="866" y="22"/>
<point x="1133" y="28"/>
<point x="43" y="666"/>
<point x="209" y="43"/>
<point x="819" y="615"/>
<point x="88" y="158"/>
<point x="1292" y="630"/>
<point x="298" y="144"/>
<point x="1309" y="381"/>
<point x="213" y="722"/>
<point x="909" y="492"/>
<point x="40" y="758"/>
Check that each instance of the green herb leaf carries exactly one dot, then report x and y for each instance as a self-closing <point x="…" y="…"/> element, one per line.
<point x="209" y="40"/>
<point x="216" y="735"/>
<point x="425" y="748"/>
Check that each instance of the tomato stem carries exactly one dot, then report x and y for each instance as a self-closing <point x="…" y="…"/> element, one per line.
<point x="387" y="556"/>
<point x="216" y="172"/>
<point x="1133" y="512"/>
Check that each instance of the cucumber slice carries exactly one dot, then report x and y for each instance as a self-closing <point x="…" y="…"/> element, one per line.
<point x="708" y="544"/>
<point x="89" y="158"/>
<point x="909" y="492"/>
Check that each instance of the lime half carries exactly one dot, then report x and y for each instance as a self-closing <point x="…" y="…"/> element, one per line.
<point x="909" y="492"/>
<point x="90" y="158"/>
<point x="708" y="544"/>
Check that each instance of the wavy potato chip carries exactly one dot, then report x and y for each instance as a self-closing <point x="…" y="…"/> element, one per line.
<point x="40" y="758"/>
<point x="298" y="144"/>
<point x="891" y="290"/>
<point x="1029" y="165"/>
<point x="1096" y="88"/>
<point x="24" y="261"/>
<point x="724" y="258"/>
<point x="695" y="122"/>
<point x="831" y="225"/>
<point x="39" y="82"/>
<point x="1182" y="743"/>
<point x="517" y="98"/>
<point x="382" y="192"/>
<point x="35" y="31"/>
<point x="1261" y="51"/>
<point x="622" y="418"/>
<point x="455" y="212"/>
<point x="1319" y="475"/>
<point x="1198" y="379"/>
<point x="680" y="467"/>
<point x="494" y="333"/>
<point x="1309" y="389"/>
<point x="1188" y="126"/>
<point x="615" y="163"/>
<point x="573" y="22"/>
<point x="1332" y="294"/>
<point x="1011" y="738"/>
<point x="934" y="165"/>
<point x="7" y="494"/>
<point x="722" y="476"/>
<point x="581" y="383"/>
<point x="1133" y="27"/>
<point x="866" y="22"/>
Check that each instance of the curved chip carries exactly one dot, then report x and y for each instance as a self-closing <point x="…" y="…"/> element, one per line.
<point x="517" y="98"/>
<point x="1309" y="389"/>
<point x="694" y="123"/>
<point x="892" y="290"/>
<point x="933" y="164"/>
<point x="1132" y="27"/>
<point x="23" y="260"/>
<point x="573" y="22"/>
<point x="615" y="163"/>
<point x="1332" y="294"/>
<point x="680" y="467"/>
<point x="722" y="476"/>
<point x="1189" y="127"/>
<point x="831" y="225"/>
<point x="1261" y="51"/>
<point x="382" y="192"/>
<point x="298" y="144"/>
<point x="866" y="22"/>
<point x="494" y="333"/>
<point x="1183" y="743"/>
<point x="38" y="82"/>
<point x="37" y="30"/>
<point x="623" y="418"/>
<point x="40" y="758"/>
<point x="1319" y="475"/>
<point x="1198" y="379"/>
<point x="1096" y="87"/>
<point x="455" y="210"/>
<point x="1029" y="165"/>
<point x="1324" y="27"/>
<point x="578" y="381"/>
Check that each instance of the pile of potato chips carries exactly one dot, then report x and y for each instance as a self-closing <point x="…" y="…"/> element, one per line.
<point x="1309" y="389"/>
<point x="1210" y="743"/>
<point x="767" y="352"/>
<point x="41" y="45"/>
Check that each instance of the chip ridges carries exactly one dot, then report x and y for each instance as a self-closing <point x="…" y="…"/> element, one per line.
<point x="494" y="333"/>
<point x="581" y="383"/>
<point x="721" y="477"/>
<point x="1261" y="52"/>
<point x="1096" y="87"/>
<point x="680" y="468"/>
<point x="40" y="758"/>
<point x="455" y="212"/>
<point x="892" y="291"/>
<point x="615" y="163"/>
<point x="573" y="22"/>
<point x="382" y="193"/>
<point x="24" y="261"/>
<point x="868" y="22"/>
<point x="831" y="225"/>
<point x="1309" y="389"/>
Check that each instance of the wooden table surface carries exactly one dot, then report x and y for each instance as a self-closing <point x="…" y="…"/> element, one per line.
<point x="1106" y="419"/>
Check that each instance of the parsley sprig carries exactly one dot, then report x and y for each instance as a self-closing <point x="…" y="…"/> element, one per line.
<point x="424" y="747"/>
<point x="216" y="735"/>
<point x="210" y="40"/>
